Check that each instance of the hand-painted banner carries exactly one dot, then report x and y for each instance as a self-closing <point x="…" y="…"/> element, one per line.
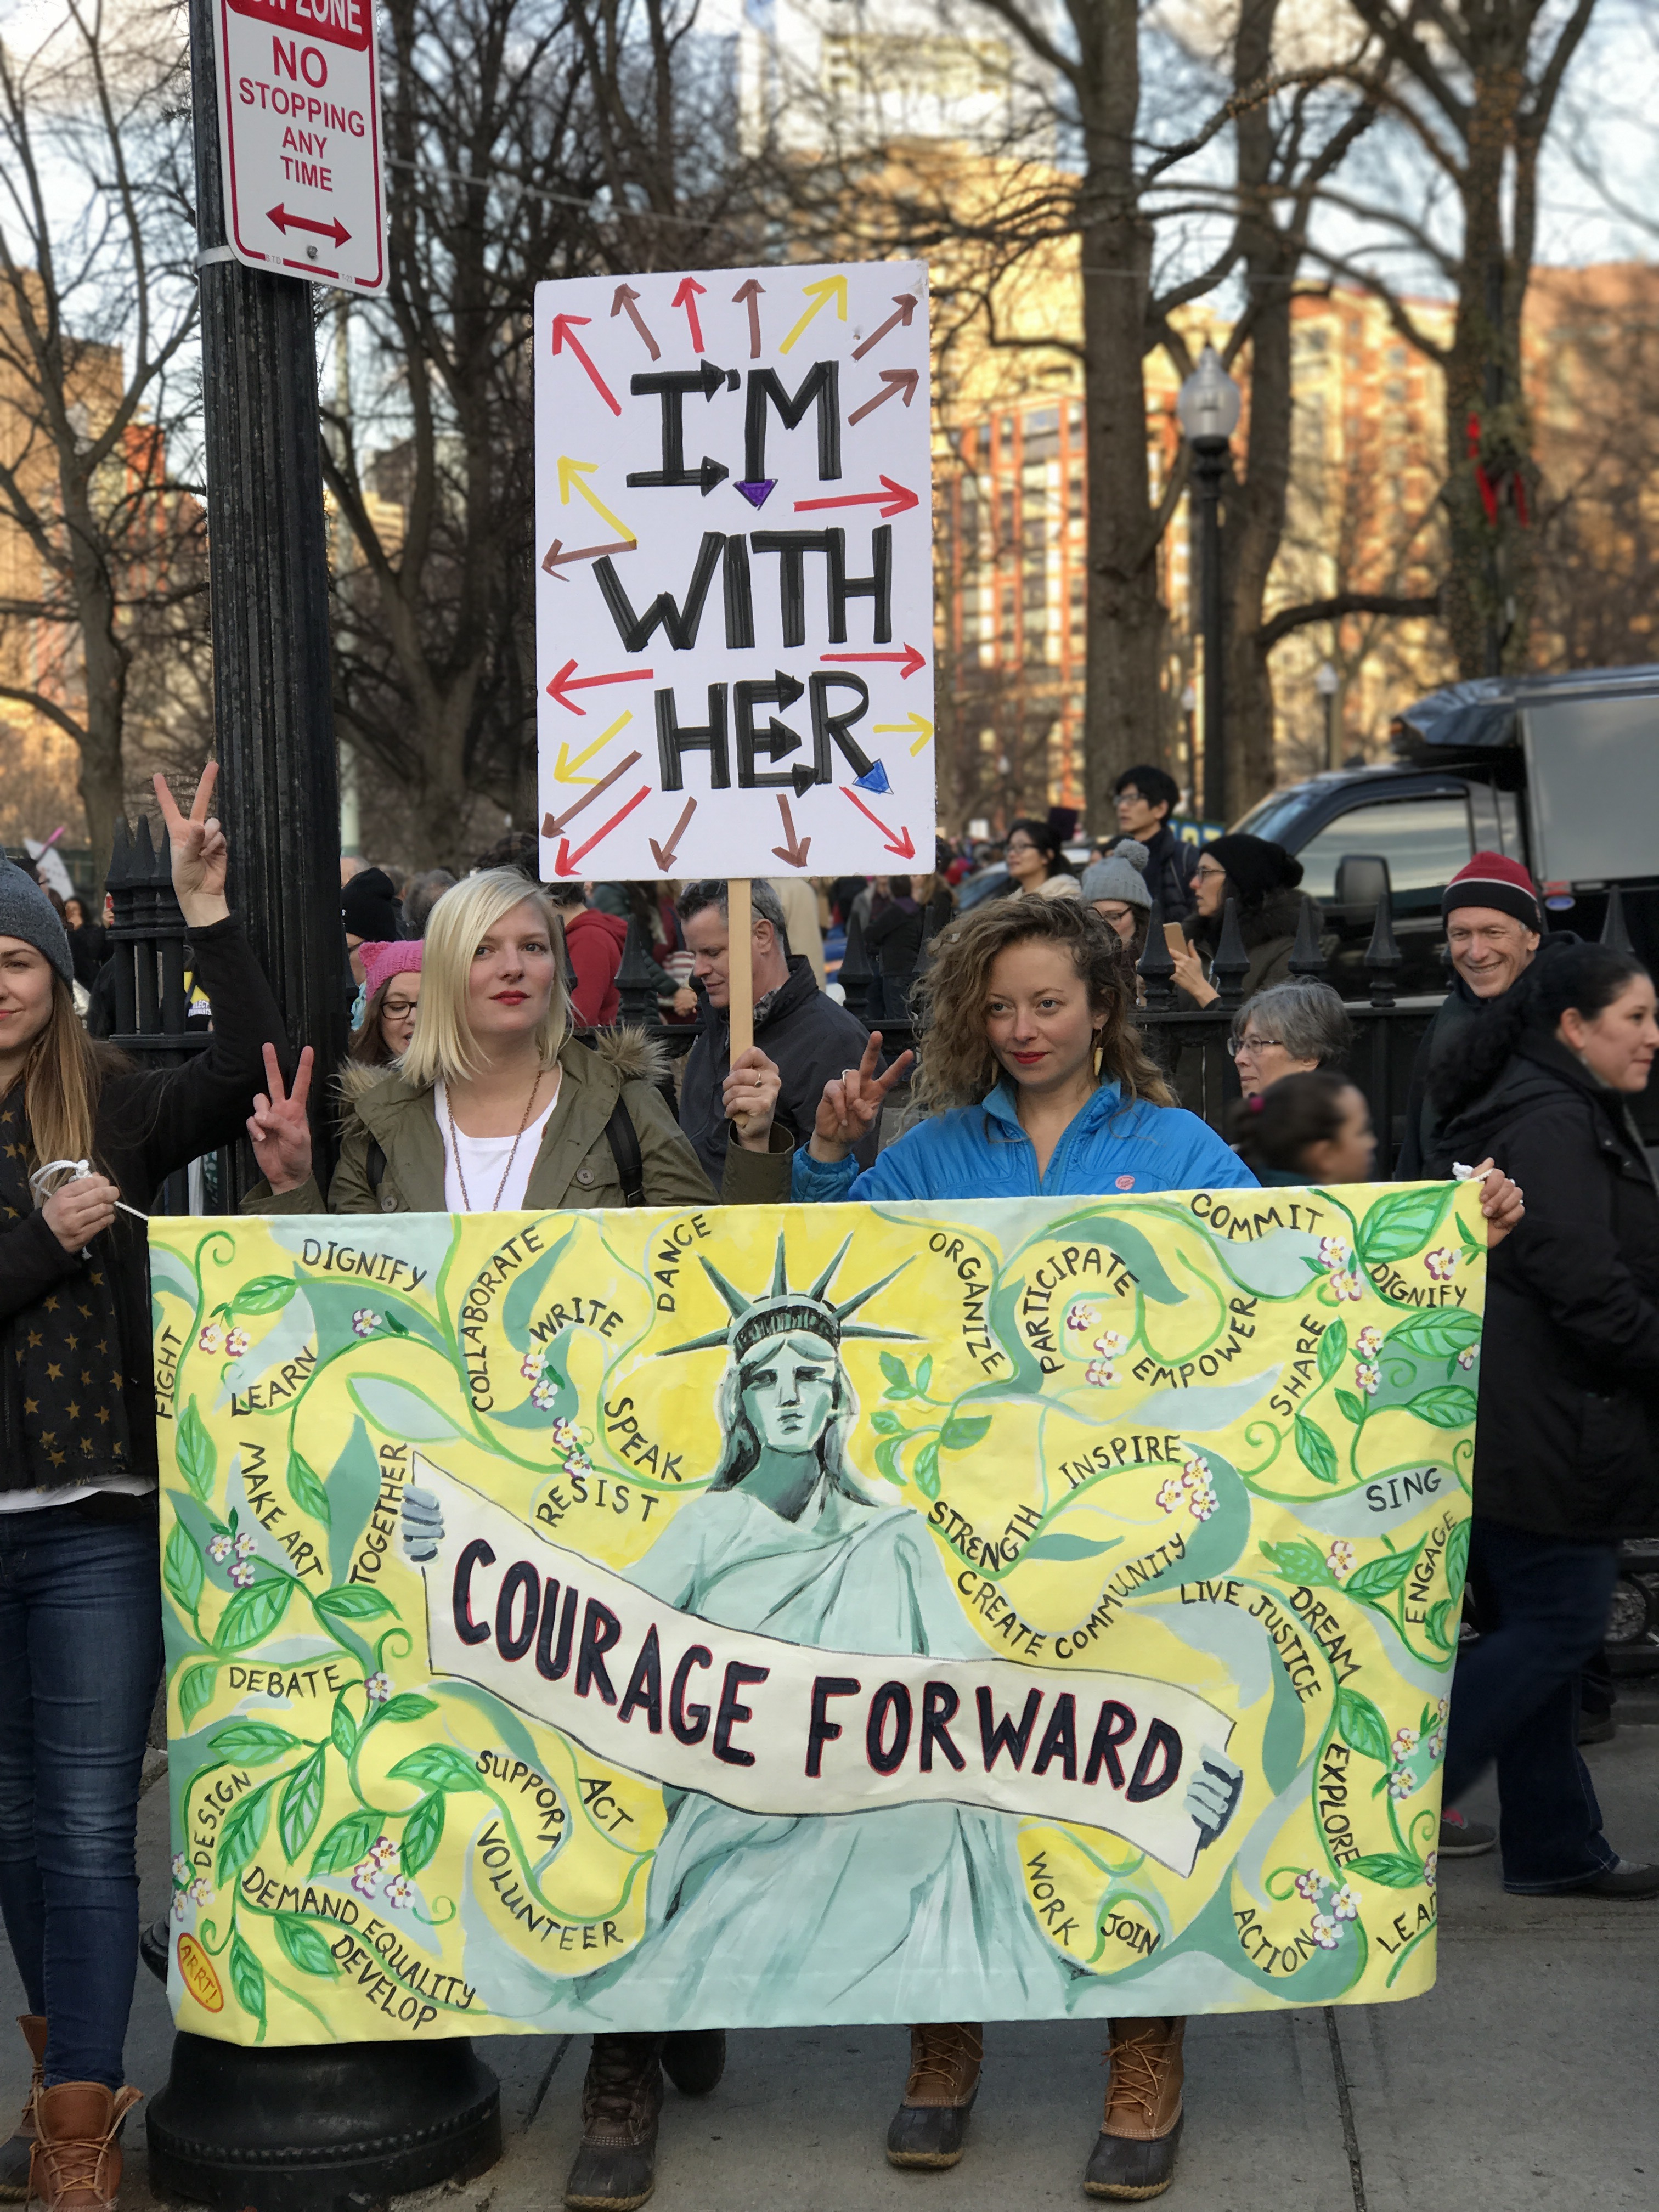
<point x="828" y="1614"/>
<point x="735" y="599"/>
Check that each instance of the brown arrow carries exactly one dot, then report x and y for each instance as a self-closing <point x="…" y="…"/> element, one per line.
<point x="906" y="304"/>
<point x="750" y="294"/>
<point x="553" y="823"/>
<point x="556" y="557"/>
<point x="793" y="849"/>
<point x="897" y="380"/>
<point x="625" y="296"/>
<point x="667" y="853"/>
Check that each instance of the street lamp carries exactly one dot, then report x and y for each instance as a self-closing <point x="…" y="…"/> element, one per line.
<point x="1207" y="407"/>
<point x="1328" y="683"/>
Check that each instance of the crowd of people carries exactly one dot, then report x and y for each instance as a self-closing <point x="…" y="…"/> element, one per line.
<point x="488" y="1071"/>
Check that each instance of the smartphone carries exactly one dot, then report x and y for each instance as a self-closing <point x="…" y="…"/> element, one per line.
<point x="1175" y="938"/>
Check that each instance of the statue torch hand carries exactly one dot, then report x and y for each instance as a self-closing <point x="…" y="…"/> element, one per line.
<point x="1213" y="1793"/>
<point x="424" y="1527"/>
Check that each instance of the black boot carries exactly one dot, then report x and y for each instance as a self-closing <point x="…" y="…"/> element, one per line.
<point x="615" y="2169"/>
<point x="694" y="2059"/>
<point x="929" y="2128"/>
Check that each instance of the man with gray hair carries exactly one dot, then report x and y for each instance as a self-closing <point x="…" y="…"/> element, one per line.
<point x="811" y="1038"/>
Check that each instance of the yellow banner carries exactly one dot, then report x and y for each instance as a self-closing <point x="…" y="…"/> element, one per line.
<point x="838" y="1613"/>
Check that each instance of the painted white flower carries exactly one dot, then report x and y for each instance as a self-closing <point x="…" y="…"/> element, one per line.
<point x="578" y="1462"/>
<point x="1324" y="1931"/>
<point x="237" y="1343"/>
<point x="245" y="1544"/>
<point x="1367" y="1378"/>
<point x="1436" y="1746"/>
<point x="1081" y="1319"/>
<point x="1312" y="1885"/>
<point x="1345" y="1906"/>
<point x="566" y="1436"/>
<point x="212" y="1339"/>
<point x="219" y="1547"/>
<point x="1101" y="1374"/>
<point x="365" y="1321"/>
<point x="1406" y="1741"/>
<point x="241" y="1573"/>
<point x="1170" y="1496"/>
<point x="1466" y="1357"/>
<point x="181" y="1899"/>
<point x="378" y="1688"/>
<point x="1402" y="1783"/>
<point x="200" y="1892"/>
<point x="1431" y="1869"/>
<point x="1442" y="1263"/>
<point x="383" y="1852"/>
<point x="364" y="1876"/>
<point x="1334" y="1252"/>
<point x="181" y="1867"/>
<point x="1341" y="1557"/>
<point x="1195" y="1474"/>
<point x="1347" y="1285"/>
<point x="1443" y="1708"/>
<point x="1203" y="1502"/>
<point x="1109" y="1343"/>
<point x="543" y="1394"/>
<point x="1369" y="1342"/>
<point x="398" y="1890"/>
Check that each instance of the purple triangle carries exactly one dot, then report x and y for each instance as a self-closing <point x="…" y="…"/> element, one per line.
<point x="757" y="490"/>
<point x="874" y="779"/>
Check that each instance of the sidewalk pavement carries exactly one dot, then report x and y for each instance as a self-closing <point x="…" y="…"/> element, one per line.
<point x="1525" y="2079"/>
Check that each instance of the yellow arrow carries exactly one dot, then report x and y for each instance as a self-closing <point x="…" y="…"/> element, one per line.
<point x="565" y="770"/>
<point x="918" y="727"/>
<point x="826" y="289"/>
<point x="570" y="479"/>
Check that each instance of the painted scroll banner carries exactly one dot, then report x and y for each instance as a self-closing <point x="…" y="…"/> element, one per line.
<point x="827" y="1615"/>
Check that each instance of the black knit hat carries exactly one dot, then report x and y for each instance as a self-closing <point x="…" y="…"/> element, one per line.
<point x="25" y="912"/>
<point x="369" y="906"/>
<point x="1256" y="868"/>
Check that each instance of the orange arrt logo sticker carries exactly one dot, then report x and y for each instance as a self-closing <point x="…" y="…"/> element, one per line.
<point x="199" y="1978"/>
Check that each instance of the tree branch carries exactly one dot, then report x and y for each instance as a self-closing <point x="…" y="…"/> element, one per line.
<point x="1402" y="606"/>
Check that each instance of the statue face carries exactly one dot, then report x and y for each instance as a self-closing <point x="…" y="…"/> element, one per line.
<point x="790" y="1394"/>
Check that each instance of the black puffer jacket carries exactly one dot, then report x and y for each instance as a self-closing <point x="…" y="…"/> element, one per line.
<point x="1569" y="1384"/>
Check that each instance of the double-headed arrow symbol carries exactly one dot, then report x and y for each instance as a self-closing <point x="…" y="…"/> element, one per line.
<point x="286" y="222"/>
<point x="895" y="499"/>
<point x="565" y="682"/>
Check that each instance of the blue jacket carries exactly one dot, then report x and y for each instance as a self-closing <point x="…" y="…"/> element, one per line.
<point x="981" y="1151"/>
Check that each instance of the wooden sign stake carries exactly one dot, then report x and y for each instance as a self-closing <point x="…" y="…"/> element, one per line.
<point x="740" y="972"/>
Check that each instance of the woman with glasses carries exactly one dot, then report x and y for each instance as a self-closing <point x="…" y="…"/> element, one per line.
<point x="1291" y="1028"/>
<point x="1260" y="878"/>
<point x="391" y="992"/>
<point x="1035" y="861"/>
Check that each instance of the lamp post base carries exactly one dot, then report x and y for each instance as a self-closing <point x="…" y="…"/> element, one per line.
<point x="339" y="2127"/>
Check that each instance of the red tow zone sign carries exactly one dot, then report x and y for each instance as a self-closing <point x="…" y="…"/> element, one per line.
<point x="299" y="123"/>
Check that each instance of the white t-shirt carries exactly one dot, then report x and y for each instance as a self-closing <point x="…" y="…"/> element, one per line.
<point x="483" y="1160"/>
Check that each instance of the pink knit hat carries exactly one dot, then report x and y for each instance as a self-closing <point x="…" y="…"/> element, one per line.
<point x="382" y="962"/>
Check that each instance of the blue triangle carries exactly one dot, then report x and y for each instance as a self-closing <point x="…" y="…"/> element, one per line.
<point x="756" y="491"/>
<point x="874" y="778"/>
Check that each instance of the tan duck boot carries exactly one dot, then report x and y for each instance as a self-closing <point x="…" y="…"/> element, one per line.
<point x="1135" y="2154"/>
<point x="17" y="2152"/>
<point x="931" y="2126"/>
<point x="77" y="2152"/>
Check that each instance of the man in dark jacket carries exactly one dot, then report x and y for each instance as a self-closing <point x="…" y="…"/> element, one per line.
<point x="1146" y="798"/>
<point x="1494" y="927"/>
<point x="811" y="1038"/>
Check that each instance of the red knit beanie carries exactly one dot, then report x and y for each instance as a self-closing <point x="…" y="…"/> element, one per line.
<point x="1490" y="880"/>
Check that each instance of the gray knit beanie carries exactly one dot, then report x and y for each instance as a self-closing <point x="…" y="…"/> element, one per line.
<point x="27" y="912"/>
<point x="1121" y="875"/>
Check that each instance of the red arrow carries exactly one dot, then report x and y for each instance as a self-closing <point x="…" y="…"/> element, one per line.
<point x="552" y="824"/>
<point x="563" y="327"/>
<point x="905" y="850"/>
<point x="556" y="557"/>
<point x="286" y="222"/>
<point x="911" y="660"/>
<point x="686" y="297"/>
<point x="564" y="682"/>
<point x="749" y="294"/>
<point x="896" y="380"/>
<point x="896" y="499"/>
<point x="793" y="848"/>
<point x="568" y="861"/>
<point x="668" y="853"/>
<point x="626" y="297"/>
<point x="906" y="304"/>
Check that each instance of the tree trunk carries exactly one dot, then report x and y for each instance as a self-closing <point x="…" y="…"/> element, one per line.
<point x="104" y="661"/>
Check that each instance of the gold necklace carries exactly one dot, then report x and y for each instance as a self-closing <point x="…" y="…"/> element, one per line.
<point x="460" y="1171"/>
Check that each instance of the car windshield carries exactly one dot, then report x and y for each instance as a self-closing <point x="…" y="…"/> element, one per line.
<point x="1273" y="815"/>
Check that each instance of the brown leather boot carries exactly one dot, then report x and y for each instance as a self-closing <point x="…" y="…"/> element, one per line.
<point x="1135" y="2156"/>
<point x="78" y="2153"/>
<point x="17" y="2152"/>
<point x="930" y="2127"/>
<point x="615" y="2169"/>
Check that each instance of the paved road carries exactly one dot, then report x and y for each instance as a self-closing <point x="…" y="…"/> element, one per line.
<point x="1525" y="2080"/>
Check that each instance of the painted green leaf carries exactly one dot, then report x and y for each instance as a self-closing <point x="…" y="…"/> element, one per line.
<point x="251" y="1743"/>
<point x="343" y="1730"/>
<point x="304" y="1944"/>
<point x="346" y="1842"/>
<point x="925" y="1469"/>
<point x="1457" y="1560"/>
<point x="398" y="1411"/>
<point x="195" y="1691"/>
<point x="247" y="1979"/>
<point x="194" y="1451"/>
<point x="1435" y="1626"/>
<point x="1393" y="1869"/>
<point x="1314" y="1449"/>
<point x="438" y="1767"/>
<point x="305" y="1487"/>
<point x="885" y="1424"/>
<point x="887" y="1452"/>
<point x="1438" y="1333"/>
<point x="408" y="1707"/>
<point x="183" y="1568"/>
<point x="524" y="1291"/>
<point x="1067" y="1547"/>
<point x="252" y="1614"/>
<point x="1351" y="1407"/>
<point x="265" y="1294"/>
<point x="963" y="1432"/>
<point x="1298" y="1561"/>
<point x="1403" y="1223"/>
<point x="422" y="1832"/>
<point x="243" y="1831"/>
<point x="925" y="1371"/>
<point x="1448" y="1406"/>
<point x="351" y="1602"/>
<point x="1333" y="1350"/>
<point x="302" y="1802"/>
<point x="1380" y="1578"/>
<point x="1360" y="1726"/>
<point x="897" y="1374"/>
<point x="393" y="1323"/>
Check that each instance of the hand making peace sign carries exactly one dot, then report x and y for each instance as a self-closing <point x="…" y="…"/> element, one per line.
<point x="198" y="850"/>
<point x="851" y="1107"/>
<point x="277" y="1127"/>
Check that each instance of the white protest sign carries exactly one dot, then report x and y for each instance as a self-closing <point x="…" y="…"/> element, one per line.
<point x="299" y="125"/>
<point x="734" y="590"/>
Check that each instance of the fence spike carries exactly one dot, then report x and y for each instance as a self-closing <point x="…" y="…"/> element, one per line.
<point x="1382" y="955"/>
<point x="856" y="974"/>
<point x="1232" y="964"/>
<point x="1613" y="932"/>
<point x="635" y="984"/>
<point x="1157" y="969"/>
<point x="1307" y="954"/>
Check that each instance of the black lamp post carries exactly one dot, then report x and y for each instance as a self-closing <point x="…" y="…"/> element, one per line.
<point x="1207" y="408"/>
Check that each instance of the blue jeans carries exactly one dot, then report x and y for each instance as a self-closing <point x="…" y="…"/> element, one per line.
<point x="80" y="1657"/>
<point x="1541" y="1603"/>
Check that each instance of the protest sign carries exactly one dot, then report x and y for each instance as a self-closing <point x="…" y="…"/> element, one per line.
<point x="734" y="590"/>
<point x="739" y="1617"/>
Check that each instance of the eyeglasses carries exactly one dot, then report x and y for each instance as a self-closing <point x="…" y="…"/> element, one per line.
<point x="1021" y="845"/>
<point x="1252" y="1047"/>
<point x="1207" y="874"/>
<point x="398" y="1010"/>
